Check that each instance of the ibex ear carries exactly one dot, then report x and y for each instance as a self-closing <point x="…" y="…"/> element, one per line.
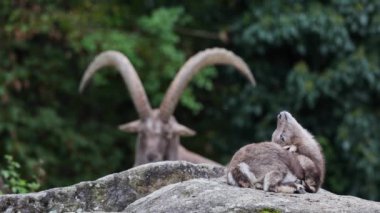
<point x="183" y="130"/>
<point x="133" y="126"/>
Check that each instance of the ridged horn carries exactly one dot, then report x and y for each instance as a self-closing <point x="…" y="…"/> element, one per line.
<point x="192" y="66"/>
<point x="122" y="64"/>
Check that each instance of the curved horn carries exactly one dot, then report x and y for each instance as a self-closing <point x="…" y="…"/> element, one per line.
<point x="193" y="66"/>
<point x="129" y="74"/>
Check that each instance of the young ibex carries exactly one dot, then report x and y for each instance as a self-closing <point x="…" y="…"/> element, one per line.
<point x="293" y="137"/>
<point x="158" y="131"/>
<point x="266" y="166"/>
<point x="291" y="163"/>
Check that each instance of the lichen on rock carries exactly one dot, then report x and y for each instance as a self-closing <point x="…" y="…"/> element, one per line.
<point x="111" y="193"/>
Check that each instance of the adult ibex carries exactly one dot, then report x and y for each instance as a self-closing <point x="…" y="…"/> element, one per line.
<point x="158" y="130"/>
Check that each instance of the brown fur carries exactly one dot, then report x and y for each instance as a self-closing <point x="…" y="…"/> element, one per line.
<point x="265" y="160"/>
<point x="242" y="180"/>
<point x="289" y="133"/>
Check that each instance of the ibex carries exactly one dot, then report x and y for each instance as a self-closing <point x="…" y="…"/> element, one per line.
<point x="266" y="166"/>
<point x="292" y="162"/>
<point x="158" y="131"/>
<point x="292" y="136"/>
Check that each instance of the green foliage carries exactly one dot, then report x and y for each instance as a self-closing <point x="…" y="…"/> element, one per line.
<point x="317" y="59"/>
<point x="13" y="181"/>
<point x="268" y="210"/>
<point x="44" y="122"/>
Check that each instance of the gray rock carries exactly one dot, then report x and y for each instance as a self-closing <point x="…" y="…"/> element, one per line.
<point x="201" y="195"/>
<point x="110" y="193"/>
<point x="176" y="187"/>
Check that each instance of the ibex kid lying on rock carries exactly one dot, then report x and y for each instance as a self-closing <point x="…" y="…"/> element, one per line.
<point x="266" y="166"/>
<point x="293" y="137"/>
<point x="158" y="131"/>
<point x="291" y="158"/>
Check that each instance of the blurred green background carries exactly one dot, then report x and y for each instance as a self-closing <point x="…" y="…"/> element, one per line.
<point x="320" y="60"/>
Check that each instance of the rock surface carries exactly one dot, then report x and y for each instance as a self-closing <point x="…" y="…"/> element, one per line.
<point x="176" y="186"/>
<point x="110" y="193"/>
<point x="201" y="195"/>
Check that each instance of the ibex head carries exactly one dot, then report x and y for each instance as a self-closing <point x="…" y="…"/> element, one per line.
<point x="157" y="140"/>
<point x="289" y="132"/>
<point x="158" y="131"/>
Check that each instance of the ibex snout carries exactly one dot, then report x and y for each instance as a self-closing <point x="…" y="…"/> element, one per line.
<point x="152" y="157"/>
<point x="284" y="115"/>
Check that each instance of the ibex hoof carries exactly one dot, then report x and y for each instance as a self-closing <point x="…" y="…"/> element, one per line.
<point x="299" y="189"/>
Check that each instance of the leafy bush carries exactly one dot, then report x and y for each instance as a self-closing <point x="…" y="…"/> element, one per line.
<point x="12" y="181"/>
